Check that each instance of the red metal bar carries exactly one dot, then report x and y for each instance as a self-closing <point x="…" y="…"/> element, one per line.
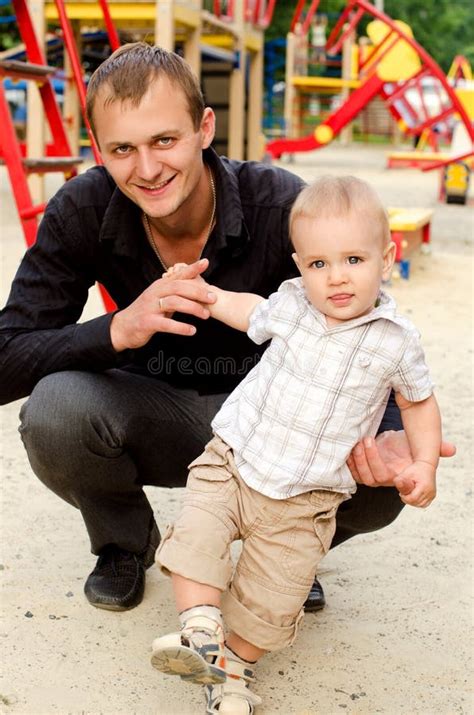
<point x="432" y="120"/>
<point x="391" y="98"/>
<point x="358" y="100"/>
<point x="13" y="160"/>
<point x="336" y="121"/>
<point x="297" y="14"/>
<point x="451" y="160"/>
<point x="33" y="211"/>
<point x="109" y="24"/>
<point x="268" y="15"/>
<point x="374" y="58"/>
<point x="35" y="55"/>
<point x="252" y="14"/>
<point x="71" y="47"/>
<point x="230" y="10"/>
<point x="309" y="16"/>
<point x="335" y="49"/>
<point x="338" y="27"/>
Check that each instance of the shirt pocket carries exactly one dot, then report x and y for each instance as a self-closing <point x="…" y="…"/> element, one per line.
<point x="365" y="378"/>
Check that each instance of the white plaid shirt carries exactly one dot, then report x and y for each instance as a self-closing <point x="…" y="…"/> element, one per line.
<point x="316" y="392"/>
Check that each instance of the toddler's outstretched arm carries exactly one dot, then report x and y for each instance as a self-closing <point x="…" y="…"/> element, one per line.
<point x="233" y="309"/>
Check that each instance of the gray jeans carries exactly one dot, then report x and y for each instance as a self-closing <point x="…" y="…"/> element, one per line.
<point x="96" y="438"/>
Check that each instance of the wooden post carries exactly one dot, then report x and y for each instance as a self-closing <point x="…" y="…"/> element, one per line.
<point x="255" y="141"/>
<point x="71" y="105"/>
<point x="346" y="133"/>
<point x="35" y="124"/>
<point x="164" y="24"/>
<point x="192" y="50"/>
<point x="237" y="89"/>
<point x="290" y="90"/>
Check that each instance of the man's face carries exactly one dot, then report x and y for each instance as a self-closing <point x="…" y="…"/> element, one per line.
<point x="342" y="261"/>
<point x="152" y="151"/>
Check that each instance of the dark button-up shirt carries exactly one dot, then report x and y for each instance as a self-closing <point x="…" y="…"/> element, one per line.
<point x="92" y="232"/>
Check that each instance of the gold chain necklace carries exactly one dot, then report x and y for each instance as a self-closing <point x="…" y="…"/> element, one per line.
<point x="149" y="234"/>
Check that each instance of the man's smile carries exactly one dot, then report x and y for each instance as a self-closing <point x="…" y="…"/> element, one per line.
<point x="155" y="187"/>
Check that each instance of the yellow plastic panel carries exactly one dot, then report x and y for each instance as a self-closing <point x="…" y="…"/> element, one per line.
<point x="402" y="61"/>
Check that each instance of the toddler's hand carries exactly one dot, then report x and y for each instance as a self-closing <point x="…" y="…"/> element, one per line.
<point x="175" y="271"/>
<point x="417" y="484"/>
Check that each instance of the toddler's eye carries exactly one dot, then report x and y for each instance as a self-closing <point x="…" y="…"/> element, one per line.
<point x="318" y="264"/>
<point x="353" y="260"/>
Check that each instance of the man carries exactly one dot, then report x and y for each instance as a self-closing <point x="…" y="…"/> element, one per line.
<point x="126" y="399"/>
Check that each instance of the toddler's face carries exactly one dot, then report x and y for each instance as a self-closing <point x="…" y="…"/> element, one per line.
<point x="342" y="261"/>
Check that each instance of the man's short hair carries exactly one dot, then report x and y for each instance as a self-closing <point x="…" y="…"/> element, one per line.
<point x="129" y="71"/>
<point x="338" y="196"/>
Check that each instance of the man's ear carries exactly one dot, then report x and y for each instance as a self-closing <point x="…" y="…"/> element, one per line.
<point x="296" y="260"/>
<point x="388" y="260"/>
<point x="208" y="127"/>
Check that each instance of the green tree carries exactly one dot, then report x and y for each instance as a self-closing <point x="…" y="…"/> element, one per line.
<point x="441" y="27"/>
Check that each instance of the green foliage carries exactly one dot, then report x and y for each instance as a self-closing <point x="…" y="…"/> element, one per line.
<point x="9" y="36"/>
<point x="440" y="26"/>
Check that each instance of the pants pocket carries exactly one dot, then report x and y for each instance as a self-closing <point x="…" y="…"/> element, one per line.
<point x="324" y="525"/>
<point x="211" y="473"/>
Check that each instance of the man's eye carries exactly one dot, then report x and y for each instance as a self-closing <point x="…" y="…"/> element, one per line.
<point x="164" y="141"/>
<point x="123" y="149"/>
<point x="318" y="264"/>
<point x="354" y="260"/>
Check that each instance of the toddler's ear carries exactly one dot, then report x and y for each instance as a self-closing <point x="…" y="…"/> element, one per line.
<point x="296" y="260"/>
<point x="388" y="260"/>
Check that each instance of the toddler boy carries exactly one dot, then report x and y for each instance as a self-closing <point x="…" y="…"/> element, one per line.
<point x="275" y="472"/>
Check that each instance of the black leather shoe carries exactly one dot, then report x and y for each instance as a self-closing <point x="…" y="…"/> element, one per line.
<point x="316" y="600"/>
<point x="118" y="581"/>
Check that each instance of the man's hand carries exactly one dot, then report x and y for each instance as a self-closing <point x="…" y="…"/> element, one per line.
<point x="376" y="462"/>
<point x="151" y="312"/>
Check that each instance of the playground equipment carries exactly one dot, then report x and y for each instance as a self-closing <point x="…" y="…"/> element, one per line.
<point x="396" y="69"/>
<point x="410" y="229"/>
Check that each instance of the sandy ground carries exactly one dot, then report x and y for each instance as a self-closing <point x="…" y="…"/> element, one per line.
<point x="394" y="637"/>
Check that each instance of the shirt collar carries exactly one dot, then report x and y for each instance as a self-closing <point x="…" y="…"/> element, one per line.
<point x="122" y="222"/>
<point x="385" y="308"/>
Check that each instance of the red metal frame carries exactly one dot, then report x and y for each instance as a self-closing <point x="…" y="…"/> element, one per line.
<point x="35" y="55"/>
<point x="372" y="85"/>
<point x="71" y="47"/>
<point x="450" y="160"/>
<point x="12" y="150"/>
<point x="114" y="39"/>
<point x="297" y="14"/>
<point x="251" y="14"/>
<point x="14" y="161"/>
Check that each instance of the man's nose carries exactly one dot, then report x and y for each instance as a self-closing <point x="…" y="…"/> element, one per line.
<point x="148" y="167"/>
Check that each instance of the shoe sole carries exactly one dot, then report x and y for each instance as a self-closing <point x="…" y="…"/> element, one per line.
<point x="111" y="607"/>
<point x="188" y="664"/>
